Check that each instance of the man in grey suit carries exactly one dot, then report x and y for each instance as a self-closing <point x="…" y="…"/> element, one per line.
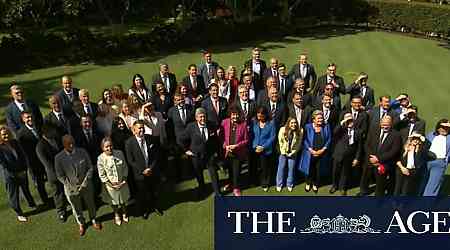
<point x="74" y="169"/>
<point x="207" y="69"/>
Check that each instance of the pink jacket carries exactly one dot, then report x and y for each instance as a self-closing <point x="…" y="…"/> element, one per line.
<point x="242" y="138"/>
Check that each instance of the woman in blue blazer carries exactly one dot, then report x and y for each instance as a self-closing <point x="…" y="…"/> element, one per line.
<point x="263" y="136"/>
<point x="315" y="149"/>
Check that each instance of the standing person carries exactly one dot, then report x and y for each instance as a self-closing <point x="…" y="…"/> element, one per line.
<point x="234" y="135"/>
<point x="232" y="81"/>
<point x="142" y="153"/>
<point x="74" y="169"/>
<point x="272" y="71"/>
<point x="63" y="123"/>
<point x="14" y="163"/>
<point x="128" y="113"/>
<point x="276" y="107"/>
<point x="330" y="77"/>
<point x="201" y="143"/>
<point x="85" y="106"/>
<point x="315" y="149"/>
<point x="246" y="107"/>
<point x="47" y="148"/>
<point x="67" y="95"/>
<point x="257" y="65"/>
<point x="289" y="140"/>
<point x="383" y="150"/>
<point x="263" y="133"/>
<point x="347" y="152"/>
<point x="410" y="122"/>
<point x="162" y="100"/>
<point x="28" y="137"/>
<point x="215" y="106"/>
<point x="165" y="77"/>
<point x="297" y="109"/>
<point x="410" y="166"/>
<point x="361" y="88"/>
<point x="120" y="133"/>
<point x="196" y="84"/>
<point x="226" y="89"/>
<point x="113" y="172"/>
<point x="285" y="83"/>
<point x="19" y="104"/>
<point x="330" y="112"/>
<point x="139" y="89"/>
<point x="208" y="68"/>
<point x="360" y="117"/>
<point x="439" y="141"/>
<point x="305" y="71"/>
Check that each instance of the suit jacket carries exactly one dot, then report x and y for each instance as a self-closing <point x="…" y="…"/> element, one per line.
<point x="75" y="171"/>
<point x="242" y="138"/>
<point x="201" y="86"/>
<point x="308" y="99"/>
<point x="65" y="102"/>
<point x="336" y="102"/>
<point x="172" y="83"/>
<point x="13" y="165"/>
<point x="136" y="159"/>
<point x="343" y="150"/>
<point x="374" y="118"/>
<point x="251" y="109"/>
<point x="93" y="146"/>
<point x="193" y="140"/>
<point x="13" y="119"/>
<point x="162" y="107"/>
<point x="79" y="109"/>
<point x="368" y="100"/>
<point x="322" y="81"/>
<point x="264" y="137"/>
<point x="203" y="71"/>
<point x="280" y="114"/>
<point x="389" y="151"/>
<point x="159" y="127"/>
<point x="46" y="154"/>
<point x="403" y="127"/>
<point x="361" y="123"/>
<point x="269" y="73"/>
<point x="29" y="142"/>
<point x="287" y="88"/>
<point x="333" y="117"/>
<point x="177" y="124"/>
<point x="258" y="78"/>
<point x="215" y="118"/>
<point x="70" y="125"/>
<point x="310" y="77"/>
<point x="305" y="117"/>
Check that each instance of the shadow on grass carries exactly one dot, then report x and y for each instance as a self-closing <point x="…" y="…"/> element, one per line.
<point x="445" y="44"/>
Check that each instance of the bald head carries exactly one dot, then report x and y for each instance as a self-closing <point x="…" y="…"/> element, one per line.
<point x="68" y="143"/>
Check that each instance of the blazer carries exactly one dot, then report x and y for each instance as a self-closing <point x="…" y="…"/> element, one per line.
<point x="306" y="113"/>
<point x="215" y="118"/>
<point x="92" y="147"/>
<point x="280" y="113"/>
<point x="68" y="127"/>
<point x="203" y="71"/>
<point x="263" y="67"/>
<point x="283" y="143"/>
<point x="75" y="171"/>
<point x="305" y="160"/>
<point x="159" y="126"/>
<point x="287" y="88"/>
<point x="308" y="99"/>
<point x="13" y="165"/>
<point x="46" y="154"/>
<point x="177" y="124"/>
<point x="332" y="118"/>
<point x="343" y="150"/>
<point x="172" y="83"/>
<point x="368" y="100"/>
<point x="361" y="123"/>
<point x="264" y="137"/>
<point x="430" y="138"/>
<point x="242" y="138"/>
<point x="419" y="159"/>
<point x="13" y="119"/>
<point x="141" y="98"/>
<point x="322" y="81"/>
<point x="114" y="168"/>
<point x="251" y="109"/>
<point x="66" y="103"/>
<point x="310" y="77"/>
<point x="404" y="125"/>
<point x="268" y="73"/>
<point x="201" y="86"/>
<point x="136" y="159"/>
<point x="387" y="153"/>
<point x="79" y="109"/>
<point x="29" y="142"/>
<point x="193" y="140"/>
<point x="336" y="102"/>
<point x="374" y="118"/>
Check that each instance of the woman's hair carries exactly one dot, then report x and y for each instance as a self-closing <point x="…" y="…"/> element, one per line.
<point x="234" y="109"/>
<point x="263" y="110"/>
<point x="409" y="142"/>
<point x="103" y="95"/>
<point x="133" y="85"/>
<point x="115" y="123"/>
<point x="287" y="128"/>
<point x="105" y="140"/>
<point x="117" y="92"/>
<point x="438" y="125"/>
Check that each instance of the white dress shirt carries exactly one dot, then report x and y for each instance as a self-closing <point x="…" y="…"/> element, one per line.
<point x="439" y="146"/>
<point x="410" y="160"/>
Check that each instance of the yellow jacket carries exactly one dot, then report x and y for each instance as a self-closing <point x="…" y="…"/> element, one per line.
<point x="284" y="144"/>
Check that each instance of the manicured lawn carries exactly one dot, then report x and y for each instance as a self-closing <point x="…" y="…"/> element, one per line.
<point x="394" y="63"/>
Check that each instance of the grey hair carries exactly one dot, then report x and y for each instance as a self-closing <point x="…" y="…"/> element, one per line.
<point x="199" y="111"/>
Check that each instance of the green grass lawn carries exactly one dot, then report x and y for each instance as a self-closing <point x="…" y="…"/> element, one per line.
<point x="394" y="63"/>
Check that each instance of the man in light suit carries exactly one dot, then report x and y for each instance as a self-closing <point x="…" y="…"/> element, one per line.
<point x="19" y="104"/>
<point x="208" y="69"/>
<point x="74" y="169"/>
<point x="166" y="77"/>
<point x="142" y="156"/>
<point x="305" y="71"/>
<point x="67" y="95"/>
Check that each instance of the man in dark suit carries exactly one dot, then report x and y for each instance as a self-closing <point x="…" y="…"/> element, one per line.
<point x="383" y="149"/>
<point x="305" y="71"/>
<point x="298" y="110"/>
<point x="272" y="71"/>
<point x="299" y="87"/>
<point x="330" y="114"/>
<point x="19" y="104"/>
<point x="202" y="144"/>
<point x="263" y="95"/>
<point x="257" y="65"/>
<point x="208" y="69"/>
<point x="360" y="88"/>
<point x="196" y="84"/>
<point x="330" y="77"/>
<point x="360" y="117"/>
<point x="166" y="77"/>
<point x="47" y="148"/>
<point x="284" y="82"/>
<point x="410" y="123"/>
<point x="276" y="107"/>
<point x="383" y="109"/>
<point x="63" y="123"/>
<point x="246" y="107"/>
<point x="67" y="95"/>
<point x="180" y="115"/>
<point x="142" y="156"/>
<point x="84" y="106"/>
<point x="335" y="100"/>
<point x="28" y="137"/>
<point x="216" y="107"/>
<point x="88" y="137"/>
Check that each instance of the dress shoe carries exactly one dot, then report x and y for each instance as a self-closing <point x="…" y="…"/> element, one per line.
<point x="307" y="187"/>
<point x="62" y="218"/>
<point x="315" y="189"/>
<point x="125" y="218"/>
<point x="82" y="230"/>
<point x="21" y="218"/>
<point x="290" y="189"/>
<point x="279" y="189"/>
<point x="118" y="220"/>
<point x="332" y="190"/>
<point x="362" y="194"/>
<point x="97" y="226"/>
<point x="265" y="189"/>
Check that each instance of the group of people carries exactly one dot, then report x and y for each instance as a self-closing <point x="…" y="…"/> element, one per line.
<point x="278" y="124"/>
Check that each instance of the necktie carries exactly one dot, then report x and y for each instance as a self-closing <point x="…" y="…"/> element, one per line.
<point x="382" y="137"/>
<point x="273" y="110"/>
<point x="274" y="73"/>
<point x="88" y="136"/>
<point x="204" y="133"/>
<point x="216" y="106"/>
<point x="87" y="108"/>
<point x="61" y="119"/>
<point x="282" y="86"/>
<point x="326" y="114"/>
<point x="245" y="109"/>
<point x="355" y="115"/>
<point x="70" y="96"/>
<point x="24" y="107"/>
<point x="383" y="114"/>
<point x="166" y="83"/>
<point x="194" y="83"/>
<point x="142" y="146"/>
<point x="183" y="115"/>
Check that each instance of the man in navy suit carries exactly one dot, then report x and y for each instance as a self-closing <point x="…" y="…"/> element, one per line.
<point x="284" y="82"/>
<point x="17" y="106"/>
<point x="196" y="84"/>
<point x="330" y="77"/>
<point x="305" y="71"/>
<point x="276" y="107"/>
<point x="208" y="69"/>
<point x="272" y="71"/>
<point x="362" y="89"/>
<point x="166" y="77"/>
<point x="216" y="107"/>
<point x="67" y="95"/>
